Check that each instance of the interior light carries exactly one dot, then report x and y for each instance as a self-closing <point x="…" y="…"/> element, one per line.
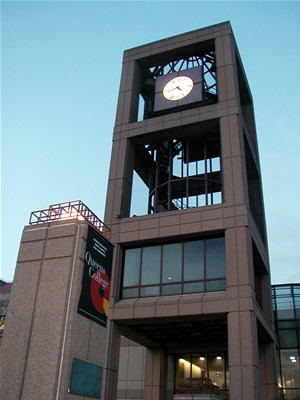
<point x="219" y="358"/>
<point x="169" y="278"/>
<point x="293" y="358"/>
<point x="202" y="358"/>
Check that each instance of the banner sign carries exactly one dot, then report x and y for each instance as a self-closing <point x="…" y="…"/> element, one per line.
<point x="94" y="298"/>
<point x="86" y="379"/>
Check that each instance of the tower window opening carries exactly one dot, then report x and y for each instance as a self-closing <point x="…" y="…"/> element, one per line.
<point x="179" y="173"/>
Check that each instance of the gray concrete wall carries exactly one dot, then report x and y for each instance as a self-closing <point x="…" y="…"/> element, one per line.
<point x="43" y="330"/>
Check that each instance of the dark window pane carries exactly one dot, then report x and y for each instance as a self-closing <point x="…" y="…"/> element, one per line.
<point x="286" y="324"/>
<point x="287" y="339"/>
<point x="151" y="265"/>
<point x="193" y="261"/>
<point x="132" y="267"/>
<point x="129" y="293"/>
<point x="172" y="262"/>
<point x="193" y="287"/>
<point x="149" y="291"/>
<point x="214" y="286"/>
<point x="215" y="258"/>
<point x="170" y="289"/>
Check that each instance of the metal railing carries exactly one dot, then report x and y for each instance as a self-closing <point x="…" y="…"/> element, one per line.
<point x="69" y="210"/>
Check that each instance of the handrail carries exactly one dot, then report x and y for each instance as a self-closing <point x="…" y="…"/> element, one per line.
<point x="68" y="210"/>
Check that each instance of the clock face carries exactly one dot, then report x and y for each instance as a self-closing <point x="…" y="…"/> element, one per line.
<point x="177" y="88"/>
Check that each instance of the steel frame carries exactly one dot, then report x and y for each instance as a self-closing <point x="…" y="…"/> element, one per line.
<point x="69" y="210"/>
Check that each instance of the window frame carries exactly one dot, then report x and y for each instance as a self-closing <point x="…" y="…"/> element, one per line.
<point x="163" y="287"/>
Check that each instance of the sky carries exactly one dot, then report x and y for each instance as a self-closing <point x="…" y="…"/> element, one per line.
<point x="60" y="73"/>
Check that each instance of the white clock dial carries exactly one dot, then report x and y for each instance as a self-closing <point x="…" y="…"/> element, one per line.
<point x="177" y="88"/>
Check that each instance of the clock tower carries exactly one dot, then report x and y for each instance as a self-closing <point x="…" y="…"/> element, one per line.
<point x="191" y="277"/>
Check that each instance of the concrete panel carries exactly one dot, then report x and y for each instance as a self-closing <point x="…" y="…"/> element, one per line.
<point x="60" y="230"/>
<point x="33" y="233"/>
<point x="60" y="247"/>
<point x="234" y="339"/>
<point x="135" y="363"/>
<point x="31" y="251"/>
<point x="231" y="258"/>
<point x="14" y="345"/>
<point x="227" y="182"/>
<point x="235" y="142"/>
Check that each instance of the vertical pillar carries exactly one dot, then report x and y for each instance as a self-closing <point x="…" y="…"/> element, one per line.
<point x="156" y="375"/>
<point x="268" y="370"/>
<point x="110" y="376"/>
<point x="243" y="356"/>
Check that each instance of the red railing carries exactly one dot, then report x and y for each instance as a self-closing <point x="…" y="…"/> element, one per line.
<point x="72" y="209"/>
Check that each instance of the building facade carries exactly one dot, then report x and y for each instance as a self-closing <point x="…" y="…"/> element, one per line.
<point x="191" y="277"/>
<point x="286" y="304"/>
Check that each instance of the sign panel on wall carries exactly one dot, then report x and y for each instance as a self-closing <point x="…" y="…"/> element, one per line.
<point x="94" y="298"/>
<point x="86" y="379"/>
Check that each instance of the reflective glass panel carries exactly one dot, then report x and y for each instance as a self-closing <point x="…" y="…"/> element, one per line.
<point x="151" y="265"/>
<point x="172" y="263"/>
<point x="170" y="289"/>
<point x="287" y="338"/>
<point x="290" y="368"/>
<point x="149" y="291"/>
<point x="183" y="372"/>
<point x="193" y="261"/>
<point x="215" y="258"/>
<point x="199" y="367"/>
<point x="129" y="293"/>
<point x="132" y="267"/>
<point x="217" y="371"/>
<point x="214" y="286"/>
<point x="193" y="287"/>
<point x="285" y="307"/>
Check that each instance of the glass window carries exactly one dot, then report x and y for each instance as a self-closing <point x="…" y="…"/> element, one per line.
<point x="285" y="307"/>
<point x="129" y="293"/>
<point x="132" y="267"/>
<point x="170" y="289"/>
<point x="167" y="269"/>
<point x="199" y="366"/>
<point x="150" y="291"/>
<point x="287" y="338"/>
<point x="217" y="371"/>
<point x="194" y="287"/>
<point x="193" y="261"/>
<point x="201" y="373"/>
<point x="214" y="286"/>
<point x="183" y="371"/>
<point x="215" y="258"/>
<point x="151" y="265"/>
<point x="289" y="368"/>
<point x="172" y="263"/>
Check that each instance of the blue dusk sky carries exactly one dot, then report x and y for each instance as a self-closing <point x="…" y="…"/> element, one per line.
<point x="61" y="66"/>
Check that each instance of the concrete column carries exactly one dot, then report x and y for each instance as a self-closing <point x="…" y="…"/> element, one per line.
<point x="243" y="356"/>
<point x="110" y="375"/>
<point x="156" y="375"/>
<point x="268" y="371"/>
